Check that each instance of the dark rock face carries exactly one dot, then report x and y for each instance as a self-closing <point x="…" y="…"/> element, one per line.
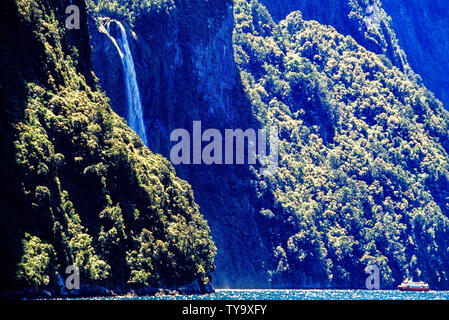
<point x="108" y="68"/>
<point x="194" y="288"/>
<point x="186" y="72"/>
<point x="185" y="68"/>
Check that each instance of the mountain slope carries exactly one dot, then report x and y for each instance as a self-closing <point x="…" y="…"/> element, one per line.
<point x="78" y="186"/>
<point x="349" y="18"/>
<point x="415" y="31"/>
<point x="186" y="72"/>
<point x="363" y="175"/>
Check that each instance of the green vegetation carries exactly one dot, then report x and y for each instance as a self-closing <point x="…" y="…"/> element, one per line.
<point x="364" y="169"/>
<point x="79" y="187"/>
<point x="363" y="145"/>
<point x="35" y="268"/>
<point x="129" y="10"/>
<point x="364" y="164"/>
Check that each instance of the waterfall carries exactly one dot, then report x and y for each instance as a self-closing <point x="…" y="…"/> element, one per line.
<point x="135" y="110"/>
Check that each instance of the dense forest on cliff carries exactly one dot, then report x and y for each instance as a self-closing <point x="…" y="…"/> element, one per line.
<point x="364" y="155"/>
<point x="78" y="186"/>
<point x="413" y="34"/>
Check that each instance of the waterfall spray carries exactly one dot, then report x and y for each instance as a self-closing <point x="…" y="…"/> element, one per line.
<point x="135" y="110"/>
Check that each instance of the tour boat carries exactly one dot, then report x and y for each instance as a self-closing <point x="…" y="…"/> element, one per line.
<point x="409" y="285"/>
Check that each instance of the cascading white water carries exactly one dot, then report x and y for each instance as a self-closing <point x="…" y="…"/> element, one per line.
<point x="135" y="110"/>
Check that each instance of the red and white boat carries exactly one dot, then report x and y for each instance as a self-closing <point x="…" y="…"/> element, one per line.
<point x="409" y="285"/>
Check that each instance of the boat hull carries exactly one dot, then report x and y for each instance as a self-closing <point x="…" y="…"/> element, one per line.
<point x="413" y="289"/>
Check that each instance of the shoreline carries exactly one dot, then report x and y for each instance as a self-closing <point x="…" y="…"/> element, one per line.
<point x="94" y="292"/>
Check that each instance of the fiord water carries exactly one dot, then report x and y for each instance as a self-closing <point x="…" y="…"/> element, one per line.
<point x="302" y="295"/>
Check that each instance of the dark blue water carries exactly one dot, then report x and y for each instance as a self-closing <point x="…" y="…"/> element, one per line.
<point x="302" y="295"/>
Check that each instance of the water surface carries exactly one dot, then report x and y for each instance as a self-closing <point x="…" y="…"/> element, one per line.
<point x="232" y="294"/>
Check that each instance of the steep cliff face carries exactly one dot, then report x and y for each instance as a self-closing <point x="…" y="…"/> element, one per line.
<point x="353" y="187"/>
<point x="186" y="72"/>
<point x="108" y="67"/>
<point x="422" y="28"/>
<point x="417" y="28"/>
<point x="78" y="186"/>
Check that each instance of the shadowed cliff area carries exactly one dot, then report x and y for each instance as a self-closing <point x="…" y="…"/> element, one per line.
<point x="363" y="176"/>
<point x="422" y="28"/>
<point x="186" y="72"/>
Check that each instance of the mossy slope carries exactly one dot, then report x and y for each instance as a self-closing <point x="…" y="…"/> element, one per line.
<point x="78" y="186"/>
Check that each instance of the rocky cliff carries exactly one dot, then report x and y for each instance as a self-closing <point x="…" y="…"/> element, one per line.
<point x="78" y="186"/>
<point x="353" y="187"/>
<point x="422" y="28"/>
<point x="186" y="71"/>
